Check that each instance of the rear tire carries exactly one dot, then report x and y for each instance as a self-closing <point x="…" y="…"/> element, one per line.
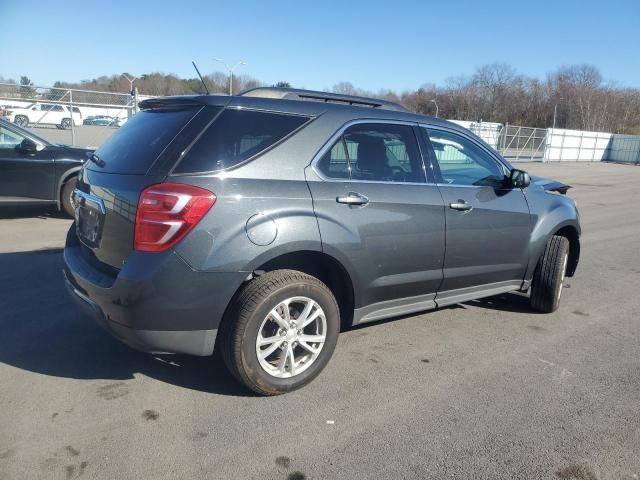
<point x="65" y="197"/>
<point x="21" y="121"/>
<point x="300" y="351"/>
<point x="548" y="277"/>
<point x="65" y="124"/>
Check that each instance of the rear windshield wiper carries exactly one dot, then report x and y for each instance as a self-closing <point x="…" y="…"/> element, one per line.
<point x="97" y="160"/>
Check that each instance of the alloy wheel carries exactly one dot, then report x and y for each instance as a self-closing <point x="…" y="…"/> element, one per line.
<point x="291" y="337"/>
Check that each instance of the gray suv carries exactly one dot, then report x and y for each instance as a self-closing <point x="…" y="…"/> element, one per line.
<point x="261" y="224"/>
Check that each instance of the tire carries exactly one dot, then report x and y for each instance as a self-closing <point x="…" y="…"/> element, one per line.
<point x="65" y="124"/>
<point x="65" y="197"/>
<point x="548" y="277"/>
<point x="21" y="121"/>
<point x="251" y="316"/>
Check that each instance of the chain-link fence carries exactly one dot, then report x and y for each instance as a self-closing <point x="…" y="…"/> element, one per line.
<point x="79" y="117"/>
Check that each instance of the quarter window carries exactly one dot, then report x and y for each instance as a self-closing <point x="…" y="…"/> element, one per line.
<point x="463" y="162"/>
<point x="375" y="152"/>
<point x="236" y="136"/>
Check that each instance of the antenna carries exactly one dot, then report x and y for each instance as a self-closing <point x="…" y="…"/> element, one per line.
<point x="201" y="79"/>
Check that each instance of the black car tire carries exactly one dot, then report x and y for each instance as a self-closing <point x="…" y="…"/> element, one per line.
<point x="65" y="124"/>
<point x="548" y="277"/>
<point x="245" y="318"/>
<point x="65" y="197"/>
<point x="21" y="121"/>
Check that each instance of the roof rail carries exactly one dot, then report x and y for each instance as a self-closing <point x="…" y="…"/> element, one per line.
<point x="311" y="95"/>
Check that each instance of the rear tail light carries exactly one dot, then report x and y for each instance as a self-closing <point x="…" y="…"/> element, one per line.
<point x="167" y="212"/>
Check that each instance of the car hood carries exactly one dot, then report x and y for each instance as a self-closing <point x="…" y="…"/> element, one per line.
<point x="550" y="185"/>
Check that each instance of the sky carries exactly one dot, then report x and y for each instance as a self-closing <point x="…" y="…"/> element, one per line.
<point x="374" y="45"/>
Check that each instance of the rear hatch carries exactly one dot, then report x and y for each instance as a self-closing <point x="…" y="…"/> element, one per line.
<point x="137" y="155"/>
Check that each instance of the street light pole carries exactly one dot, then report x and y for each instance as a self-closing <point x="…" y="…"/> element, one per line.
<point x="436" y="104"/>
<point x="230" y="69"/>
<point x="134" y="96"/>
<point x="555" y="110"/>
<point x="131" y="80"/>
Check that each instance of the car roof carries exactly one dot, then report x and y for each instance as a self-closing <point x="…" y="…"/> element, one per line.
<point x="303" y="102"/>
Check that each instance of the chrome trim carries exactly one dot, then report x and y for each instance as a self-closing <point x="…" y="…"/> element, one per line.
<point x="470" y="186"/>
<point x="331" y="141"/>
<point x="78" y="197"/>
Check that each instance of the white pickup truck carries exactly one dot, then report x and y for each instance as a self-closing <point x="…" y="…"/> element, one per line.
<point x="45" y="114"/>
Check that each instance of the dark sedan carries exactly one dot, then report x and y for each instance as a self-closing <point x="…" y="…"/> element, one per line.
<point x="36" y="171"/>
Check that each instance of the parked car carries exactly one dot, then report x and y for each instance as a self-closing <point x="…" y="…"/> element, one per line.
<point x="102" y="120"/>
<point x="36" y="171"/>
<point x="62" y="116"/>
<point x="260" y="224"/>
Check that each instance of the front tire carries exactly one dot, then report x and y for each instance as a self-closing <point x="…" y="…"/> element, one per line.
<point x="548" y="277"/>
<point x="65" y="124"/>
<point x="280" y="332"/>
<point x="65" y="197"/>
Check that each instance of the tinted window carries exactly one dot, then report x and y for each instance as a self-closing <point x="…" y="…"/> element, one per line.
<point x="235" y="136"/>
<point x="463" y="162"/>
<point x="382" y="152"/>
<point x="135" y="146"/>
<point x="335" y="163"/>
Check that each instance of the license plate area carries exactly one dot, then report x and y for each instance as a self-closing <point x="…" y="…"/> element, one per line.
<point x="89" y="216"/>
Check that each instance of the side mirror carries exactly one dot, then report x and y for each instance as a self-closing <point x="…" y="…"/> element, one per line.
<point x="29" y="146"/>
<point x="519" y="179"/>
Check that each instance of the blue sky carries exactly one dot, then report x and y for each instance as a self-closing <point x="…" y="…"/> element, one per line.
<point x="393" y="44"/>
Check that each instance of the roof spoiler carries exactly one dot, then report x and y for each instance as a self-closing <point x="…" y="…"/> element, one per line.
<point x="315" y="96"/>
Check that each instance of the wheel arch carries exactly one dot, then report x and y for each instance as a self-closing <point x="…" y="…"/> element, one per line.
<point x="570" y="232"/>
<point x="64" y="178"/>
<point x="322" y="266"/>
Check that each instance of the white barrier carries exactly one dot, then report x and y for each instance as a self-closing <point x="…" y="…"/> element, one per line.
<point x="576" y="146"/>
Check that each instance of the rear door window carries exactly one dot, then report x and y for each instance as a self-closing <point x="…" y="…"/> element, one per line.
<point x="236" y="136"/>
<point x="134" y="147"/>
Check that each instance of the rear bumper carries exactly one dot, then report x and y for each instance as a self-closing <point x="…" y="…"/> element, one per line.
<point x="156" y="303"/>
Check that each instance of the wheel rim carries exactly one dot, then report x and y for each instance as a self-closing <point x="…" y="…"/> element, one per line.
<point x="66" y="123"/>
<point x="291" y="337"/>
<point x="563" y="273"/>
<point x="20" y="121"/>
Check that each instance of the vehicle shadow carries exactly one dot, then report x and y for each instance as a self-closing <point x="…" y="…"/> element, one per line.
<point x="514" y="302"/>
<point x="42" y="330"/>
<point x="30" y="211"/>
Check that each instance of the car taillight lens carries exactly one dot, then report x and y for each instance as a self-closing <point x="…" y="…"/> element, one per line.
<point x="167" y="212"/>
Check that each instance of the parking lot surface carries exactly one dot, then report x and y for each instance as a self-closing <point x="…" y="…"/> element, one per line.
<point x="486" y="389"/>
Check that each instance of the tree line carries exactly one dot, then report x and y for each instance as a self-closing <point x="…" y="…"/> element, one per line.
<point x="575" y="96"/>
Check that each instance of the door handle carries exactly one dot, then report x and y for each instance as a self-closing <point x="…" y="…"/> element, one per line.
<point x="353" y="199"/>
<point x="461" y="205"/>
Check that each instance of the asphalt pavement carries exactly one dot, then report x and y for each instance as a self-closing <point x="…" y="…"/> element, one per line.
<point x="486" y="389"/>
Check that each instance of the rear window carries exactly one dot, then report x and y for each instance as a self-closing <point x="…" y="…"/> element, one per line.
<point x="134" y="147"/>
<point x="236" y="136"/>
